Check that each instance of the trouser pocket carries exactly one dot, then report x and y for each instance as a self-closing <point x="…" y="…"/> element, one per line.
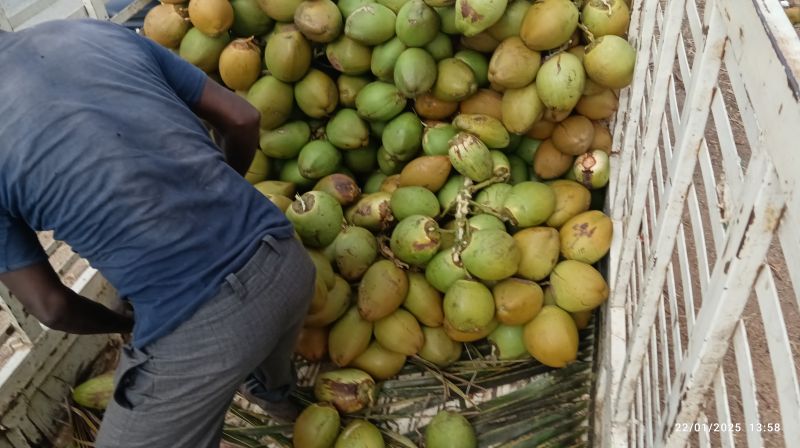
<point x="132" y="384"/>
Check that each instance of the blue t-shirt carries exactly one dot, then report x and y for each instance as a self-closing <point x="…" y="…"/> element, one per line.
<point x="98" y="143"/>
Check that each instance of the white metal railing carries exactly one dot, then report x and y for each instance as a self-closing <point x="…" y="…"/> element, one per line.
<point x="18" y="14"/>
<point x="697" y="339"/>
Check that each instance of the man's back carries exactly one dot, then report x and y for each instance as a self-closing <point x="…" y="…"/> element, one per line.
<point x="97" y="143"/>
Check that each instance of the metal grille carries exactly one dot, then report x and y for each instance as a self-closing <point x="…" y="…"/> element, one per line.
<point x="698" y="339"/>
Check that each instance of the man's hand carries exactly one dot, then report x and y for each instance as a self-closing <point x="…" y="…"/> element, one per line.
<point x="58" y="307"/>
<point x="236" y="120"/>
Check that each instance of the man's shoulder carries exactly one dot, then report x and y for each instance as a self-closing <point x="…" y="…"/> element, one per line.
<point x="71" y="28"/>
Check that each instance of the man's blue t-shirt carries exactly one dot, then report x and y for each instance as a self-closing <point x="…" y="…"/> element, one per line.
<point x="98" y="143"/>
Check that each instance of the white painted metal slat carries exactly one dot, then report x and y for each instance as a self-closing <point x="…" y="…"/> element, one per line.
<point x="732" y="280"/>
<point x="692" y="128"/>
<point x="747" y="385"/>
<point x="780" y="352"/>
<point x="723" y="410"/>
<point x="721" y="248"/>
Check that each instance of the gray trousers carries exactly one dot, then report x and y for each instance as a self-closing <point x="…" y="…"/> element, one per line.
<point x="175" y="392"/>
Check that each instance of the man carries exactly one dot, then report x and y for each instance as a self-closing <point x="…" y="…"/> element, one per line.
<point x="100" y="141"/>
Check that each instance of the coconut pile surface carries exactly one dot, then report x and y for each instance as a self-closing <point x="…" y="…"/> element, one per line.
<point x="445" y="163"/>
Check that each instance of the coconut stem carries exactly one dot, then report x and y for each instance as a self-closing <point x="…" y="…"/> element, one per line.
<point x="463" y="199"/>
<point x="299" y="199"/>
<point x="386" y="251"/>
<point x="589" y="34"/>
<point x="489" y="211"/>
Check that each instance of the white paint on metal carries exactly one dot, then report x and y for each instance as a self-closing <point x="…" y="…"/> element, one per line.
<point x="707" y="210"/>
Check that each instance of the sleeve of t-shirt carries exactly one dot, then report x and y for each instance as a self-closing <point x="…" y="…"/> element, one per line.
<point x="185" y="79"/>
<point x="19" y="247"/>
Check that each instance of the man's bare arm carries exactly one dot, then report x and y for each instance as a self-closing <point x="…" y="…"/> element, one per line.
<point x="236" y="120"/>
<point x="58" y="307"/>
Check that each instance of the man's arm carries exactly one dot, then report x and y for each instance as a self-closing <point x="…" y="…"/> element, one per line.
<point x="58" y="307"/>
<point x="236" y="120"/>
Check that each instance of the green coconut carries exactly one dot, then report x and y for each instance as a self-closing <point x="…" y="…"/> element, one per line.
<point x="560" y="81"/>
<point x="317" y="159"/>
<point x="416" y="240"/>
<point x="346" y="7"/>
<point x="468" y="305"/>
<point x="436" y="138"/>
<point x="349" y="390"/>
<point x="521" y="108"/>
<point x="400" y="332"/>
<point x="290" y="172"/>
<point x="447" y="194"/>
<point x="372" y="211"/>
<point x="385" y="57"/>
<point x="402" y="136"/>
<point x="316" y="94"/>
<point x="430" y="172"/>
<point x="356" y="249"/>
<point x="470" y="157"/>
<point x="318" y="20"/>
<point x="201" y="50"/>
<point x="286" y="141"/>
<point x="288" y="53"/>
<point x="475" y="16"/>
<point x="586" y="237"/>
<point x="249" y="19"/>
<point x="549" y="24"/>
<point x="441" y="47"/>
<point x="371" y="24"/>
<point x="317" y="218"/>
<point x="529" y="204"/>
<point x="479" y="64"/>
<point x="449" y="429"/>
<point x="336" y="304"/>
<point x="572" y="198"/>
<point x="591" y="169"/>
<point x="423" y="300"/>
<point x="380" y="101"/>
<point x="552" y="337"/>
<point x="382" y="290"/>
<point x="349" y="337"/>
<point x="282" y="11"/>
<point x="438" y="347"/>
<point x="316" y="427"/>
<point x="540" y="248"/>
<point x="415" y="72"/>
<point x="603" y="17"/>
<point x="578" y="286"/>
<point x="510" y="22"/>
<point x="455" y="80"/>
<point x="513" y="65"/>
<point x="487" y="128"/>
<point x="414" y="200"/>
<point x="348" y="87"/>
<point x="493" y="196"/>
<point x="417" y="23"/>
<point x="360" y="434"/>
<point x="508" y="342"/>
<point x="349" y="56"/>
<point x="609" y="61"/>
<point x="96" y="392"/>
<point x="211" y="17"/>
<point x="273" y="98"/>
<point x="442" y="272"/>
<point x="341" y="186"/>
<point x="166" y="24"/>
<point x="380" y="362"/>
<point x="491" y="254"/>
<point x="347" y="130"/>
